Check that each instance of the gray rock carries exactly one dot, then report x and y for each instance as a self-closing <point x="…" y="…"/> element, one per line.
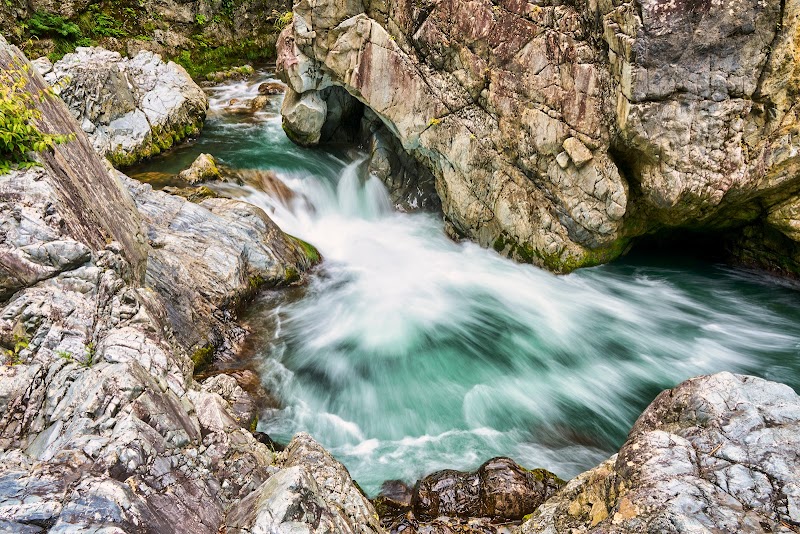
<point x="131" y="108"/>
<point x="203" y="169"/>
<point x="717" y="453"/>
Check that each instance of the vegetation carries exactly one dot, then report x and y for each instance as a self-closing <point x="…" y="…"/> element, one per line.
<point x="282" y="20"/>
<point x="207" y="58"/>
<point x="20" y="135"/>
<point x="20" y="342"/>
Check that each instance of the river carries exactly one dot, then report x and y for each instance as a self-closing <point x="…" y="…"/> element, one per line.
<point x="408" y="353"/>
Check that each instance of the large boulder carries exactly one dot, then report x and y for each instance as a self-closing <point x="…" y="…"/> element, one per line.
<point x="558" y="132"/>
<point x="130" y="108"/>
<point x="715" y="454"/>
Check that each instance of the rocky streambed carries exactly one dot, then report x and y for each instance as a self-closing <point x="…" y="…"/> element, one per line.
<point x="112" y="289"/>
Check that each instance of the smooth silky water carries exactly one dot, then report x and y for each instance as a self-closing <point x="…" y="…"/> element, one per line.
<point x="408" y="353"/>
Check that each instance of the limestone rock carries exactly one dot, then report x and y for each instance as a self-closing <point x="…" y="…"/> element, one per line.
<point x="130" y="108"/>
<point x="693" y="108"/>
<point x="716" y="453"/>
<point x="203" y="169"/>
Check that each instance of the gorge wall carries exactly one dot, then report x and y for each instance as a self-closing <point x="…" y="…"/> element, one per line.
<point x="558" y="132"/>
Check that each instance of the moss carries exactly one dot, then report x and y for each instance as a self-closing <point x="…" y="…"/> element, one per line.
<point x="254" y="425"/>
<point x="291" y="274"/>
<point x="158" y="141"/>
<point x="202" y="358"/>
<point x="309" y="250"/>
<point x="209" y="57"/>
<point x="525" y="253"/>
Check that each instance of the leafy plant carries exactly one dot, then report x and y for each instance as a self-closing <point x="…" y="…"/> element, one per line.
<point x="43" y="24"/>
<point x="282" y="20"/>
<point x="91" y="352"/>
<point x="20" y="136"/>
<point x="21" y="342"/>
<point x="200" y="19"/>
<point x="64" y="354"/>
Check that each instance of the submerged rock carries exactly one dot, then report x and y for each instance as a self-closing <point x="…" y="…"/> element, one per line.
<point x="130" y="108"/>
<point x="558" y="132"/>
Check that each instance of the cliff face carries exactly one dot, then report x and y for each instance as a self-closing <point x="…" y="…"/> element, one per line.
<point x="557" y="132"/>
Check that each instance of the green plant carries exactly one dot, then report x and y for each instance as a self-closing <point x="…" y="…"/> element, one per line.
<point x="21" y="342"/>
<point x="91" y="352"/>
<point x="282" y="20"/>
<point x="43" y="24"/>
<point x="19" y="132"/>
<point x="107" y="26"/>
<point x="228" y="7"/>
<point x="64" y="354"/>
<point x="200" y="19"/>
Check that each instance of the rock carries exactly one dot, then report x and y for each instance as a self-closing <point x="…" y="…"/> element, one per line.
<point x="271" y="88"/>
<point x="131" y="108"/>
<point x="311" y="493"/>
<point x="227" y="248"/>
<point x="577" y="152"/>
<point x="303" y="117"/>
<point x="499" y="489"/>
<point x="495" y="101"/>
<point x="259" y="103"/>
<point x="235" y="73"/>
<point x="334" y="482"/>
<point x="192" y="194"/>
<point x="102" y="427"/>
<point x="203" y="169"/>
<point x="714" y="454"/>
<point x="43" y="65"/>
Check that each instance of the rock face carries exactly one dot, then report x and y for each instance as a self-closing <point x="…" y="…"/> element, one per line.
<point x="102" y="427"/>
<point x="130" y="108"/>
<point x="715" y="454"/>
<point x="557" y="132"/>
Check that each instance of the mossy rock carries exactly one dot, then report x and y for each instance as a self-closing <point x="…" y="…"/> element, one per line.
<point x="202" y="358"/>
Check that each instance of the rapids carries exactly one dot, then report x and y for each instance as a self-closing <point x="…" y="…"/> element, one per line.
<point x="409" y="353"/>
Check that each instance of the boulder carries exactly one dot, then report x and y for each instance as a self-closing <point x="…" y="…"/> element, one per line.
<point x="130" y="108"/>
<point x="500" y="489"/>
<point x="715" y="454"/>
<point x="203" y="169"/>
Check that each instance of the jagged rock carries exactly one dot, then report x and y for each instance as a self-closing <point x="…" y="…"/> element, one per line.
<point x="714" y="454"/>
<point x="672" y="115"/>
<point x="227" y="248"/>
<point x="102" y="427"/>
<point x="130" y="108"/>
<point x="203" y="169"/>
<point x="311" y="493"/>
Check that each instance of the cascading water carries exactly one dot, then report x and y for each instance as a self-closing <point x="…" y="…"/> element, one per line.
<point x="410" y="353"/>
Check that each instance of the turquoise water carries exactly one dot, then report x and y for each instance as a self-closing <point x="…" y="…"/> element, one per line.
<point x="409" y="353"/>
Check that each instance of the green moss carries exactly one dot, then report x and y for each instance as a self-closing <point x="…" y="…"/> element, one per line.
<point x="158" y="142"/>
<point x="525" y="253"/>
<point x="210" y="57"/>
<point x="308" y="249"/>
<point x="291" y="274"/>
<point x="202" y="358"/>
<point x="254" y="425"/>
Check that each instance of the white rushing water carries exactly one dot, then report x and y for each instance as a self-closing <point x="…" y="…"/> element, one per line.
<point x="410" y="353"/>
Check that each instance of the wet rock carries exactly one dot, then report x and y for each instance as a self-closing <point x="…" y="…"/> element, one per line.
<point x="271" y="88"/>
<point x="303" y="117"/>
<point x="130" y="108"/>
<point x="192" y="194"/>
<point x="259" y="103"/>
<point x="499" y="489"/>
<point x="716" y="453"/>
<point x="203" y="169"/>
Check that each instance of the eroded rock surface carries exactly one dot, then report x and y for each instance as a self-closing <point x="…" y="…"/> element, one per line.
<point x="130" y="108"/>
<point x="715" y="454"/>
<point x="102" y="427"/>
<point x="557" y="132"/>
